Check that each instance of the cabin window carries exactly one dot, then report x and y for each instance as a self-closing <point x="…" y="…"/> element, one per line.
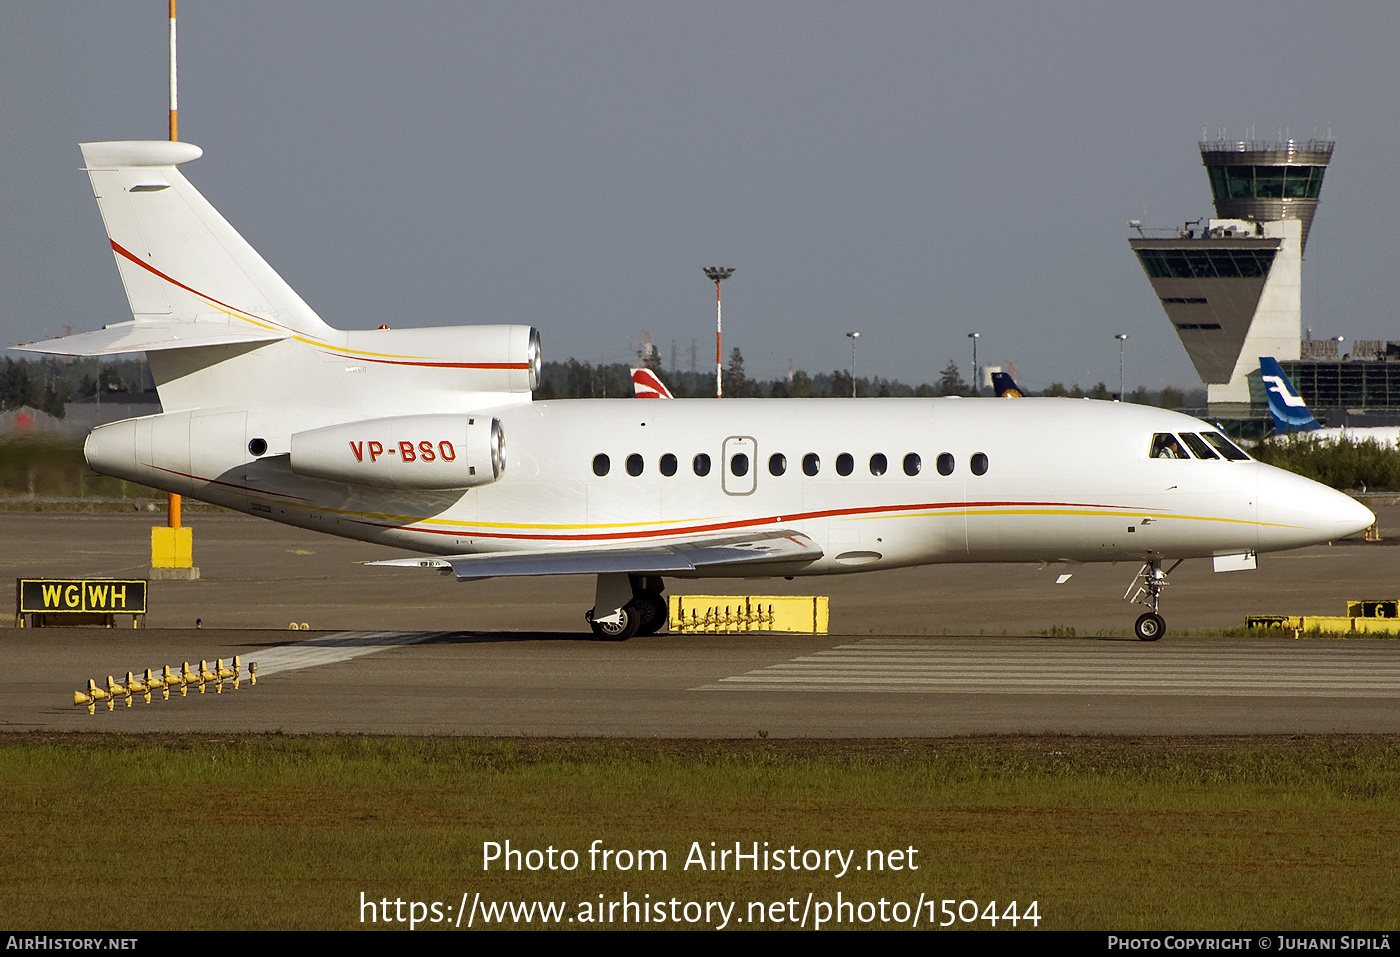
<point x="845" y="465"/>
<point x="878" y="464"/>
<point x="258" y="447"/>
<point x="777" y="463"/>
<point x="1165" y="446"/>
<point x="1225" y="447"/>
<point x="634" y="465"/>
<point x="1198" y="446"/>
<point x="979" y="463"/>
<point x="601" y="465"/>
<point x="701" y="464"/>
<point x="912" y="463"/>
<point x="739" y="464"/>
<point x="945" y="463"/>
<point x="668" y="465"/>
<point x="811" y="464"/>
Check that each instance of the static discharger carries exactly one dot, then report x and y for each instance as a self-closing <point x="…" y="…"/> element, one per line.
<point x="167" y="678"/>
<point x="716" y="614"/>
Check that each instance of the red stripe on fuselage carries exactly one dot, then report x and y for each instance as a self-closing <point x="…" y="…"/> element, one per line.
<point x="726" y="526"/>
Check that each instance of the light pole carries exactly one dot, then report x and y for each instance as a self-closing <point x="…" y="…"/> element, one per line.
<point x="853" y="336"/>
<point x="1122" y="337"/>
<point x="717" y="275"/>
<point x="1339" y="340"/>
<point x="974" y="336"/>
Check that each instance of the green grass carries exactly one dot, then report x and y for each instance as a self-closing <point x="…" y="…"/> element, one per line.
<point x="268" y="831"/>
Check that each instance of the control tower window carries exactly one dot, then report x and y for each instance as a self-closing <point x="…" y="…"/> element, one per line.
<point x="1266" y="182"/>
<point x="1206" y="263"/>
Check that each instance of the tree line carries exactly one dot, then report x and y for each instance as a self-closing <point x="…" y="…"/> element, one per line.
<point x="49" y="384"/>
<point x="582" y="380"/>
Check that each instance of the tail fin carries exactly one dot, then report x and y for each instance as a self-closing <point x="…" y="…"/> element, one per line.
<point x="190" y="278"/>
<point x="648" y="385"/>
<point x="1285" y="404"/>
<point x="1006" y="386"/>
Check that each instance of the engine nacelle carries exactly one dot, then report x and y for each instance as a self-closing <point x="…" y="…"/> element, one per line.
<point x="421" y="452"/>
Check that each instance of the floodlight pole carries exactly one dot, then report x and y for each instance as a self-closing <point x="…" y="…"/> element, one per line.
<point x="172" y="510"/>
<point x="974" y="336"/>
<point x="717" y="275"/>
<point x="1339" y="340"/>
<point x="174" y="104"/>
<point x="172" y="547"/>
<point x="853" y="336"/>
<point x="1122" y="337"/>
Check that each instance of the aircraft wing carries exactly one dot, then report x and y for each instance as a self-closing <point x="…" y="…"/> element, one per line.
<point x="715" y="556"/>
<point x="148" y="336"/>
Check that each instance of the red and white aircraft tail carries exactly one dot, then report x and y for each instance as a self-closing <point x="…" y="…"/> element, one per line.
<point x="648" y="385"/>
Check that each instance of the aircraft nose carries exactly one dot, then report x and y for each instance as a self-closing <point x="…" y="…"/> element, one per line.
<point x="1296" y="511"/>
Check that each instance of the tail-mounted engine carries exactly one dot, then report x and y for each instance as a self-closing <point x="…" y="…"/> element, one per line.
<point x="420" y="452"/>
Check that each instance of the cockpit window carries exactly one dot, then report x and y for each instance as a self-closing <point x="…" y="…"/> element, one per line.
<point x="1225" y="447"/>
<point x="1165" y="446"/>
<point x="1197" y="446"/>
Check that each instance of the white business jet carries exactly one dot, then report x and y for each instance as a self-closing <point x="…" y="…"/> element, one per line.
<point x="398" y="436"/>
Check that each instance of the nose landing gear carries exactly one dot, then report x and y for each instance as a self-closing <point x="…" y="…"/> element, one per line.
<point x="1146" y="590"/>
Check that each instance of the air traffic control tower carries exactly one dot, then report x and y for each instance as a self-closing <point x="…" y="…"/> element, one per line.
<point x="1233" y="288"/>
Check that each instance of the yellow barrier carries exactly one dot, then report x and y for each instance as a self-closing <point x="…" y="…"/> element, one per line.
<point x="1333" y="624"/>
<point x="714" y="614"/>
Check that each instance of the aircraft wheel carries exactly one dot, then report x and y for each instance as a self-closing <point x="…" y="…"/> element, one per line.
<point x="1150" y="627"/>
<point x="652" y="613"/>
<point x="620" y="630"/>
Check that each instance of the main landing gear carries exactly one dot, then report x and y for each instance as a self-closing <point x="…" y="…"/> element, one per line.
<point x="616" y="617"/>
<point x="1149" y="583"/>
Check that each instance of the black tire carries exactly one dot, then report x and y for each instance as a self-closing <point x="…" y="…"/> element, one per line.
<point x="1150" y="627"/>
<point x="625" y="627"/>
<point x="652" y="612"/>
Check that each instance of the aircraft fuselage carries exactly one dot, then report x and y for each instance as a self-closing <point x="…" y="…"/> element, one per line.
<point x="894" y="482"/>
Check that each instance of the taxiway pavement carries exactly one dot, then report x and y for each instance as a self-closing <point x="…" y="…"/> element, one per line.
<point x="913" y="652"/>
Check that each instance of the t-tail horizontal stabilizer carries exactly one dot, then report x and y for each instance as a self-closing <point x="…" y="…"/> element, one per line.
<point x="124" y="337"/>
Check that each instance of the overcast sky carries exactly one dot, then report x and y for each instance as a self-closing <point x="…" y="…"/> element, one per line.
<point x="914" y="171"/>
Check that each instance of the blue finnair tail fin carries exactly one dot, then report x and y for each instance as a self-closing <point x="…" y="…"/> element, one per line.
<point x="1285" y="404"/>
<point x="1005" y="386"/>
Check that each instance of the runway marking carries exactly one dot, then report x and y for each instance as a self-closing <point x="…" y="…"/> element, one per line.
<point x="329" y="649"/>
<point x="913" y="667"/>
